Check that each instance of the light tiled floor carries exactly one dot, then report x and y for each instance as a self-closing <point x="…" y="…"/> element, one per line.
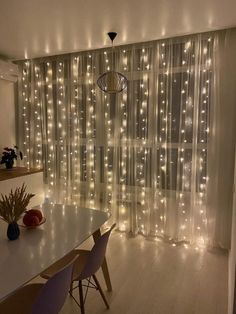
<point x="151" y="277"/>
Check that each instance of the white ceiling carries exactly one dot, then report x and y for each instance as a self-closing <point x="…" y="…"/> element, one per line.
<point x="34" y="28"/>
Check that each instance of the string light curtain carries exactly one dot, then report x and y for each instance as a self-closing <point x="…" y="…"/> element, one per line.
<point x="141" y="155"/>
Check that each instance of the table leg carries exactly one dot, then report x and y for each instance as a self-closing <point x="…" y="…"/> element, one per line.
<point x="96" y="235"/>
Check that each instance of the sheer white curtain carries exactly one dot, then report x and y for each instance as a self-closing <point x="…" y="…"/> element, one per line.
<point x="143" y="155"/>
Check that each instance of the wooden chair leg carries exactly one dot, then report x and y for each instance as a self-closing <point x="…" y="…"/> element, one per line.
<point x="81" y="297"/>
<point x="100" y="290"/>
<point x="71" y="288"/>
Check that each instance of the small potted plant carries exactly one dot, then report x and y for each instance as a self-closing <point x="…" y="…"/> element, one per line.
<point x="11" y="209"/>
<point x="8" y="156"/>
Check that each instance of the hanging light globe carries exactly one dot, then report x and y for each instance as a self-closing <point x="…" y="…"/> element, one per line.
<point x="112" y="82"/>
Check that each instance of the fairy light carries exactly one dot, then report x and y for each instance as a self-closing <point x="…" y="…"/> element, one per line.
<point x="142" y="136"/>
<point x="26" y="104"/>
<point x="71" y="100"/>
<point x="123" y="203"/>
<point x="108" y="156"/>
<point x="164" y="127"/>
<point x="90" y="133"/>
<point x="203" y="125"/>
<point x="108" y="148"/>
<point x="76" y="131"/>
<point x="62" y="129"/>
<point x="125" y="60"/>
<point x="37" y="116"/>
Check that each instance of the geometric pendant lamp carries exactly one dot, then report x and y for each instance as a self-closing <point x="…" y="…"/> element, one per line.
<point x="112" y="82"/>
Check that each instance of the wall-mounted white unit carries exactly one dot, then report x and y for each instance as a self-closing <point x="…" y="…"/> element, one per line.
<point x="8" y="71"/>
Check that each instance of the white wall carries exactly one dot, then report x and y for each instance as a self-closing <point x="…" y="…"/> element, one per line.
<point x="7" y="114"/>
<point x="222" y="142"/>
<point x="232" y="253"/>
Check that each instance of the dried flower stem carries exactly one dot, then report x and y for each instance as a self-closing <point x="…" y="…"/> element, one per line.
<point x="13" y="205"/>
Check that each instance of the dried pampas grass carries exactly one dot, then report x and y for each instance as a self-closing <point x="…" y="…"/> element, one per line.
<point x="13" y="205"/>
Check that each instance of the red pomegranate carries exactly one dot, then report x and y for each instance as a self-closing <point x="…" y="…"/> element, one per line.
<point x="35" y="212"/>
<point x="30" y="220"/>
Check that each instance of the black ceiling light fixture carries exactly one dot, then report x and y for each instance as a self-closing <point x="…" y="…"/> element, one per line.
<point x="112" y="82"/>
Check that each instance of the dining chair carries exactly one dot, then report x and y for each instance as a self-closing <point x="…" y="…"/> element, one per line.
<point x="39" y="298"/>
<point x="85" y="267"/>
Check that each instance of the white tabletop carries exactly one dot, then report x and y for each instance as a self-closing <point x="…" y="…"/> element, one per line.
<point x="66" y="227"/>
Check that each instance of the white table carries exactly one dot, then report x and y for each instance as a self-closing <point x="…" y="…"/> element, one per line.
<point x="65" y="228"/>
